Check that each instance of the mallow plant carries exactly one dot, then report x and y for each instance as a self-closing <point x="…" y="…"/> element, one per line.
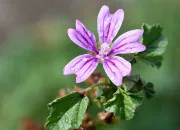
<point x="119" y="93"/>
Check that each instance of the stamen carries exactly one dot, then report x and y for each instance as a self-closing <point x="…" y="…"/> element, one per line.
<point x="105" y="49"/>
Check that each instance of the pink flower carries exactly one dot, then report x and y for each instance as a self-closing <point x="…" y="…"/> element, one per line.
<point x="108" y="26"/>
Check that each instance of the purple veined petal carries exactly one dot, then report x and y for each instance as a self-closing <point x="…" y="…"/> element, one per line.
<point x="109" y="24"/>
<point x="116" y="22"/>
<point x="74" y="65"/>
<point x="128" y="43"/>
<point x="128" y="37"/>
<point x="113" y="73"/>
<point x="103" y="16"/>
<point x="116" y="68"/>
<point x="86" y="70"/>
<point x="89" y="36"/>
<point x="124" y="65"/>
<point x="130" y="48"/>
<point x="83" y="37"/>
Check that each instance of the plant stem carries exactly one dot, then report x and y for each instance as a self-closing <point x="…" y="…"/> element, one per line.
<point x="96" y="85"/>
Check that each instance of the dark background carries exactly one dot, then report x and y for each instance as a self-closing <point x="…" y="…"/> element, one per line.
<point x="35" y="48"/>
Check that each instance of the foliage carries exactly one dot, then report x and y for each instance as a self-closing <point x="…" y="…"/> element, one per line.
<point x="67" y="112"/>
<point x="155" y="45"/>
<point x="149" y="90"/>
<point x="105" y="93"/>
<point x="122" y="104"/>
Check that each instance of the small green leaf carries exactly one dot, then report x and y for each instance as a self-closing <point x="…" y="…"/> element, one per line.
<point x="67" y="112"/>
<point x="154" y="61"/>
<point x="134" y="83"/>
<point x="122" y="104"/>
<point x="139" y="87"/>
<point x="151" y="33"/>
<point x="105" y="93"/>
<point x="149" y="90"/>
<point x="155" y="45"/>
<point x="137" y="99"/>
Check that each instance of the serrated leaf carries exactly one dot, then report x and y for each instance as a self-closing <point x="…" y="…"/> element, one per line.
<point x="137" y="99"/>
<point x="122" y="105"/>
<point x="105" y="94"/>
<point x="149" y="90"/>
<point x="67" y="112"/>
<point x="155" y="45"/>
<point x="134" y="83"/>
<point x="154" y="61"/>
<point x="151" y="33"/>
<point x="138" y="87"/>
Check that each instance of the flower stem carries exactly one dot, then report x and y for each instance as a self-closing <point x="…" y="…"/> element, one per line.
<point x="96" y="85"/>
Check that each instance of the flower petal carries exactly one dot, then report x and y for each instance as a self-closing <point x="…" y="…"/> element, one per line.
<point x="103" y="16"/>
<point x="74" y="65"/>
<point x="109" y="24"/>
<point x="86" y="70"/>
<point x="83" y="37"/>
<point x="116" y="68"/>
<point x="130" y="48"/>
<point x="128" y="43"/>
<point x="116" y="22"/>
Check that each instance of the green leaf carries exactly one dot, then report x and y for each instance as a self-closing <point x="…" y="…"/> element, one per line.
<point x="138" y="87"/>
<point x="123" y="104"/>
<point x="149" y="90"/>
<point x="134" y="84"/>
<point x="137" y="99"/>
<point x="154" y="61"/>
<point x="67" y="112"/>
<point x="155" y="45"/>
<point x="151" y="33"/>
<point x="104" y="94"/>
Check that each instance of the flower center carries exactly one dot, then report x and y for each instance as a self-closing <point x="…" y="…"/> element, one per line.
<point x="105" y="49"/>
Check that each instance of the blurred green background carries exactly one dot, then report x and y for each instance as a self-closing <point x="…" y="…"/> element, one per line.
<point x="35" y="48"/>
